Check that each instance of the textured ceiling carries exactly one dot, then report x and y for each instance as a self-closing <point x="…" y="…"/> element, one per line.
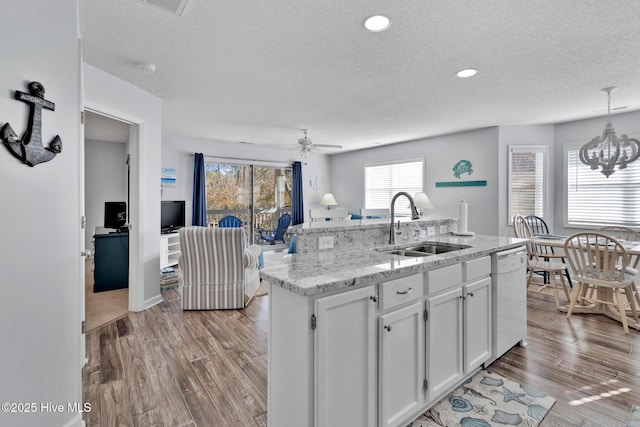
<point x="258" y="71"/>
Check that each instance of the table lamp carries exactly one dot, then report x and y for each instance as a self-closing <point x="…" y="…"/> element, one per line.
<point x="422" y="202"/>
<point x="328" y="200"/>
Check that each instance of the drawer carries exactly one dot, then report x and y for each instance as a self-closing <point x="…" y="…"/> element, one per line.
<point x="396" y="292"/>
<point x="444" y="278"/>
<point x="476" y="269"/>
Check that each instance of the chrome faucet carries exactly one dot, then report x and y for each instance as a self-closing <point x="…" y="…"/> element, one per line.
<point x="414" y="214"/>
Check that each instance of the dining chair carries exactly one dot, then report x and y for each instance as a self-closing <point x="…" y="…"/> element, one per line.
<point x="538" y="262"/>
<point x="600" y="261"/>
<point x="539" y="226"/>
<point x="628" y="234"/>
<point x="620" y="232"/>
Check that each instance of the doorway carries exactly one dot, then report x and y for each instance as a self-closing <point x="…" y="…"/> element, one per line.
<point x="257" y="194"/>
<point x="106" y="179"/>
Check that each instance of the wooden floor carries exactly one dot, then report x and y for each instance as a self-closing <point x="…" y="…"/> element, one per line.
<point x="166" y="367"/>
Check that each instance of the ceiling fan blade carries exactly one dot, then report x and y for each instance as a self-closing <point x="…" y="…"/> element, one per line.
<point x="328" y="145"/>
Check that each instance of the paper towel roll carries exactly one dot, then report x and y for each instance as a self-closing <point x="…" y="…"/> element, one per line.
<point x="462" y="216"/>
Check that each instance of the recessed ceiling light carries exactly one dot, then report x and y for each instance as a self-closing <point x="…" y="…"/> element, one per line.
<point x="377" y="23"/>
<point x="467" y="72"/>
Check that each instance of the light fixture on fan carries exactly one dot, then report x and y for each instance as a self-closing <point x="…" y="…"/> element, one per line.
<point x="307" y="146"/>
<point x="608" y="151"/>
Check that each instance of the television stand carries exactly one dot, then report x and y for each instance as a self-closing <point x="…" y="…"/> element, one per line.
<point x="169" y="249"/>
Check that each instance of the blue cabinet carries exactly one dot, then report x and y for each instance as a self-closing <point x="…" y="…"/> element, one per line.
<point x="111" y="262"/>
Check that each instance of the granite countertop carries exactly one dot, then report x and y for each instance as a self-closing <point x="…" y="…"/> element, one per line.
<point x="314" y="274"/>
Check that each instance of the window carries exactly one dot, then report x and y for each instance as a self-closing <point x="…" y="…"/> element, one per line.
<point x="595" y="200"/>
<point x="526" y="180"/>
<point x="383" y="180"/>
<point x="256" y="194"/>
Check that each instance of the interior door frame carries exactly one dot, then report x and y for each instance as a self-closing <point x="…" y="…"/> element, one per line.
<point x="136" y="273"/>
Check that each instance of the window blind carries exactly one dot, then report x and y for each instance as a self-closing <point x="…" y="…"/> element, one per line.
<point x="383" y="181"/>
<point x="593" y="199"/>
<point x="526" y="180"/>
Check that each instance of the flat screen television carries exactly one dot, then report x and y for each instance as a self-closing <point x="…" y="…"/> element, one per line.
<point x="115" y="215"/>
<point x="171" y="216"/>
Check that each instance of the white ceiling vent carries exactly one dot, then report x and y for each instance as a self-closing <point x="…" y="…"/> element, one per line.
<point x="173" y="6"/>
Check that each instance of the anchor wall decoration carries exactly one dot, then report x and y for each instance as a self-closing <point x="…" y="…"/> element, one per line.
<point x="29" y="149"/>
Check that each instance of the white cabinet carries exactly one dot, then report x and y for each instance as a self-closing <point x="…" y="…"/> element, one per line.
<point x="169" y="249"/>
<point x="401" y="353"/>
<point x="444" y="342"/>
<point x="348" y="359"/>
<point x="459" y="323"/>
<point x="344" y="359"/>
<point x="477" y="323"/>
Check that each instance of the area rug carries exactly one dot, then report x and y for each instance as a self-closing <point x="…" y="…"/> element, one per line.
<point x="487" y="400"/>
<point x="634" y="418"/>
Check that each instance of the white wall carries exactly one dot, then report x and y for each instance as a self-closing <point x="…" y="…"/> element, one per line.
<point x="177" y="153"/>
<point x="117" y="98"/>
<point x="582" y="131"/>
<point x="105" y="181"/>
<point x="40" y="257"/>
<point x="480" y="147"/>
<point x="524" y="135"/>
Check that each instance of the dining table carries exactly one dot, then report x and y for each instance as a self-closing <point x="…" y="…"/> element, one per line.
<point x="633" y="251"/>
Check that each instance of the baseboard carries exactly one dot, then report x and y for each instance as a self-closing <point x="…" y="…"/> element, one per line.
<point x="153" y="301"/>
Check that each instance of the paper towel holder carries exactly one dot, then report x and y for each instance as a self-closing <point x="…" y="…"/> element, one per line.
<point x="462" y="211"/>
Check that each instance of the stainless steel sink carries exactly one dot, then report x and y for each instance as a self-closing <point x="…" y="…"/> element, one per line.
<point x="405" y="252"/>
<point x="426" y="249"/>
<point x="436" y="248"/>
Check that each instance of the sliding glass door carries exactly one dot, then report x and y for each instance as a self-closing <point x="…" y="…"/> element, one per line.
<point x="258" y="195"/>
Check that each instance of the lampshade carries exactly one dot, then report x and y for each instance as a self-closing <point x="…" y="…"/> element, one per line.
<point x="328" y="200"/>
<point x="422" y="201"/>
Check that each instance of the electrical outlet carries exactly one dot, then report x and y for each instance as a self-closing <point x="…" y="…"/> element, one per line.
<point x="325" y="242"/>
<point x="443" y="229"/>
<point x="431" y="230"/>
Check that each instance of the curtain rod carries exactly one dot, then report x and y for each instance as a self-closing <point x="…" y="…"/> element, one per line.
<point x="273" y="163"/>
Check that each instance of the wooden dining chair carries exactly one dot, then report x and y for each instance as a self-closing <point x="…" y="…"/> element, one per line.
<point x="539" y="226"/>
<point x="599" y="261"/>
<point x="538" y="262"/>
<point x="621" y="232"/>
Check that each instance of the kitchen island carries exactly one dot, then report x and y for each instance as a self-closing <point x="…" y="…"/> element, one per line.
<point x="366" y="337"/>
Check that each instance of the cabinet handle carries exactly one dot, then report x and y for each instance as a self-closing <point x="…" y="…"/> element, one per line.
<point x="388" y="327"/>
<point x="408" y="291"/>
<point x="374" y="298"/>
<point x="470" y="294"/>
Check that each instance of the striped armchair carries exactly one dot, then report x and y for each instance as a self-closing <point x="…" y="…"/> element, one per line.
<point x="217" y="269"/>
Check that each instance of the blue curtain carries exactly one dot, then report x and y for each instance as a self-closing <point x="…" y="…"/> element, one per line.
<point x="199" y="214"/>
<point x="297" y="210"/>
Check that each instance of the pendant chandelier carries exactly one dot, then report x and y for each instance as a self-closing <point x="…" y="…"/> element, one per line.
<point x="608" y="151"/>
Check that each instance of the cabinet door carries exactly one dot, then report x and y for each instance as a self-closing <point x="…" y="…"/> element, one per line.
<point x="344" y="359"/>
<point x="477" y="323"/>
<point x="444" y="342"/>
<point x="401" y="346"/>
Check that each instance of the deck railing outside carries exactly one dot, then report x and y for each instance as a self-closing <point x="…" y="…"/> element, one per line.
<point x="264" y="219"/>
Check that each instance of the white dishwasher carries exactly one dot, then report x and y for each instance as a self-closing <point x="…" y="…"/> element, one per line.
<point x="508" y="300"/>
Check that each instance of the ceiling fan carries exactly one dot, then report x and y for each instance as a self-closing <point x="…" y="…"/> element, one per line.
<point x="307" y="146"/>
